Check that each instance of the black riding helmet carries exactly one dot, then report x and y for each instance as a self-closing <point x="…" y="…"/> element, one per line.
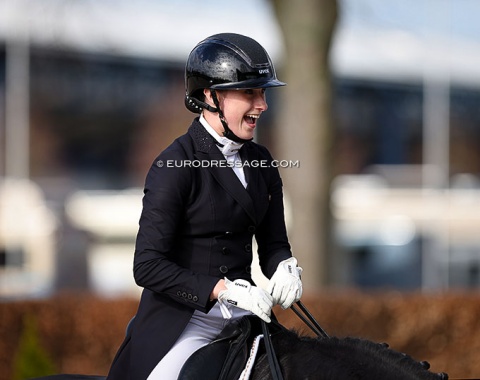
<point x="226" y="61"/>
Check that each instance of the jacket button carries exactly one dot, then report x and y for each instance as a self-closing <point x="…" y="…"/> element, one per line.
<point x="189" y="296"/>
<point x="223" y="269"/>
<point x="248" y="247"/>
<point x="195" y="298"/>
<point x="251" y="229"/>
<point x="225" y="250"/>
<point x="248" y="269"/>
<point x="184" y="295"/>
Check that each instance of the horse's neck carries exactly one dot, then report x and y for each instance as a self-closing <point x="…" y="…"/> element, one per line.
<point x="340" y="359"/>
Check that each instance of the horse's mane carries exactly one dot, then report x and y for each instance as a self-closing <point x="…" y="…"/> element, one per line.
<point x="332" y="358"/>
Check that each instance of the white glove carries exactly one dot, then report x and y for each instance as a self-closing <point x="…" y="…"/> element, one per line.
<point x="242" y="294"/>
<point x="285" y="286"/>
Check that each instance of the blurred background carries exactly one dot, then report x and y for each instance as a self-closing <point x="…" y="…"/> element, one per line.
<point x="381" y="111"/>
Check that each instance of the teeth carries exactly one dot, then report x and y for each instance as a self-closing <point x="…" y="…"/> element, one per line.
<point x="254" y="116"/>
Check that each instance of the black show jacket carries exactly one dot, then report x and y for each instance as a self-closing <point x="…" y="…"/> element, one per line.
<point x="196" y="227"/>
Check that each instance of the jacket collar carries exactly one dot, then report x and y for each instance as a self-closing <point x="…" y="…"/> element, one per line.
<point x="204" y="141"/>
<point x="206" y="149"/>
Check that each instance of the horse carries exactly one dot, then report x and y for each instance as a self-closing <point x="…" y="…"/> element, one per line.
<point x="287" y="355"/>
<point x="332" y="358"/>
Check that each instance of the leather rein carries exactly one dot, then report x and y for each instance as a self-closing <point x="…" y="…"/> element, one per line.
<point x="307" y="318"/>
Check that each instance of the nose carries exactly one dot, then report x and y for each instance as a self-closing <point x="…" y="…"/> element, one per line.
<point x="260" y="101"/>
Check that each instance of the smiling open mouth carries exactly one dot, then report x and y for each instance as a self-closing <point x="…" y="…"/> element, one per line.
<point x="251" y="119"/>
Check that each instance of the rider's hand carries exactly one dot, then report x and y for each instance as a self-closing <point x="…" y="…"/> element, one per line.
<point x="285" y="286"/>
<point x="242" y="294"/>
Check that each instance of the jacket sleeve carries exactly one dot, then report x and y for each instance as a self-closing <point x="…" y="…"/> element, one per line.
<point x="166" y="194"/>
<point x="271" y="234"/>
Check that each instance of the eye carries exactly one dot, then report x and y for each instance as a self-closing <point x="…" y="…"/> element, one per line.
<point x="252" y="91"/>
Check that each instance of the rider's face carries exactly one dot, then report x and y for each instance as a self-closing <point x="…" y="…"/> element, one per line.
<point x="241" y="109"/>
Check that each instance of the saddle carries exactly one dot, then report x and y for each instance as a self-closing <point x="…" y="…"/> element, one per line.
<point x="226" y="356"/>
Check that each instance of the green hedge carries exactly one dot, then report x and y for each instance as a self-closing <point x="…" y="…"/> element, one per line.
<point x="31" y="360"/>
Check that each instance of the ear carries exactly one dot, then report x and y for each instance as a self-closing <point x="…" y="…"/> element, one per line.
<point x="208" y="97"/>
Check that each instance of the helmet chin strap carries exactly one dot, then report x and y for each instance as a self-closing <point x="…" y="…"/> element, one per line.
<point x="227" y="131"/>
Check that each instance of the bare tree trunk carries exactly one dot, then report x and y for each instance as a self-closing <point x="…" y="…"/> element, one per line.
<point x="305" y="129"/>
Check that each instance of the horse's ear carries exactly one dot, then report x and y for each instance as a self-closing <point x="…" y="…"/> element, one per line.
<point x="425" y="364"/>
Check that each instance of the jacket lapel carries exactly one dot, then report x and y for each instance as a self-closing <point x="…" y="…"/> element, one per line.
<point x="224" y="175"/>
<point x="257" y="187"/>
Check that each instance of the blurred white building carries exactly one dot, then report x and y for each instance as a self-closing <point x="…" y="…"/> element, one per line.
<point x="27" y="240"/>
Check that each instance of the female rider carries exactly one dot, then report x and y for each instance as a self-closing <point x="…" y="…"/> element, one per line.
<point x="206" y="196"/>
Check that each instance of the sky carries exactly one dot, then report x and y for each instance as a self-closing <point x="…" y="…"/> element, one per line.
<point x="404" y="40"/>
<point x="156" y="29"/>
<point x="456" y="18"/>
<point x="391" y="39"/>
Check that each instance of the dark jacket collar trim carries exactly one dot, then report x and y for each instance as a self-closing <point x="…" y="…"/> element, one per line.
<point x="204" y="141"/>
